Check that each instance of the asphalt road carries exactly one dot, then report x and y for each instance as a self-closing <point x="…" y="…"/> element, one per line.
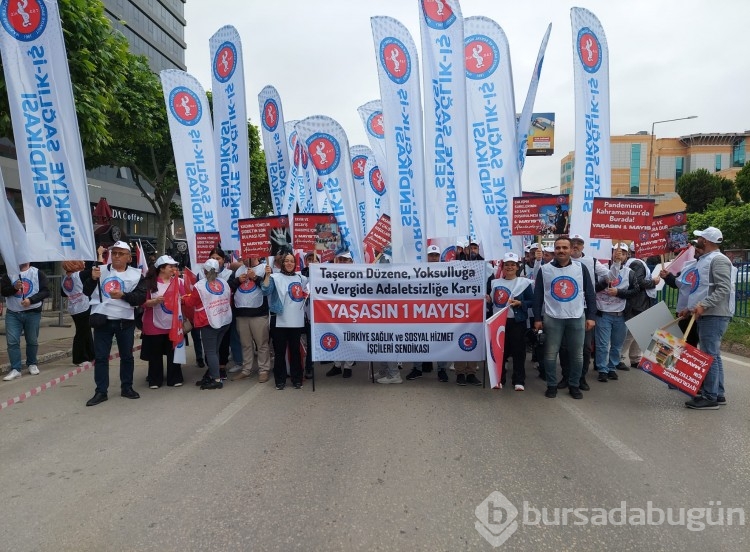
<point x="361" y="466"/>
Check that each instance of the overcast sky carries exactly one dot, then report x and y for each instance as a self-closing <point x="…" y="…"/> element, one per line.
<point x="668" y="59"/>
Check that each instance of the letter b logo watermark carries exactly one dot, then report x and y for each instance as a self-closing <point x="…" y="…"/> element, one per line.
<point x="496" y="519"/>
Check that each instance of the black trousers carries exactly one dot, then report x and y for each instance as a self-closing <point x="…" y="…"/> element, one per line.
<point x="83" y="340"/>
<point x="515" y="348"/>
<point x="283" y="339"/>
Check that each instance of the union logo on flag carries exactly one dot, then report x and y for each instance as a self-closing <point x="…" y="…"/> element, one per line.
<point x="395" y="59"/>
<point x="24" y="20"/>
<point x="225" y="62"/>
<point x="185" y="106"/>
<point x="438" y="14"/>
<point x="481" y="55"/>
<point x="589" y="50"/>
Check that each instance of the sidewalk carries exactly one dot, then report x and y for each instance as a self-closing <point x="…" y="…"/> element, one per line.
<point x="54" y="342"/>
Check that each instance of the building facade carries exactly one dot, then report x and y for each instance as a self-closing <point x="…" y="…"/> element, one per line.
<point x="724" y="154"/>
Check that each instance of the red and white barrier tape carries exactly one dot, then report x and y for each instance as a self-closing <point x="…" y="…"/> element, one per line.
<point x="52" y="383"/>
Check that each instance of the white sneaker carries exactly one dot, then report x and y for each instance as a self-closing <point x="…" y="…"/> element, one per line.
<point x="12" y="375"/>
<point x="391" y="379"/>
<point x="33" y="369"/>
<point x="519" y="388"/>
<point x="236" y="368"/>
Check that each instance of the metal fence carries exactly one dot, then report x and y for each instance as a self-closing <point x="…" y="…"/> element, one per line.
<point x="57" y="304"/>
<point x="742" y="294"/>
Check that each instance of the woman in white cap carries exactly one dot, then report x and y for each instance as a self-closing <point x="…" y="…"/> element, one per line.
<point x="157" y="321"/>
<point x="287" y="293"/>
<point x="211" y="299"/>
<point x="510" y="290"/>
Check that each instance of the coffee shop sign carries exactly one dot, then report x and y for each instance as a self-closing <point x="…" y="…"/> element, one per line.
<point x="125" y="215"/>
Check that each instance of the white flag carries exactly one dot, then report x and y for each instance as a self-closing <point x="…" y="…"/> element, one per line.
<point x="45" y="128"/>
<point x="371" y="114"/>
<point x="275" y="147"/>
<point x="194" y="156"/>
<point x="230" y="134"/>
<point x="398" y="75"/>
<point x="14" y="246"/>
<point x="592" y="147"/>
<point x="359" y="155"/>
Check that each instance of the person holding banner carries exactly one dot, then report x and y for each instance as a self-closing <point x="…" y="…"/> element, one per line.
<point x="516" y="292"/>
<point x="287" y="292"/>
<point x="565" y="296"/>
<point x="251" y="319"/>
<point x="157" y="321"/>
<point x="614" y="289"/>
<point x="709" y="302"/>
<point x="24" y="298"/>
<point x="211" y="299"/>
<point x="342" y="257"/>
<point x="116" y="289"/>
<point x="78" y="308"/>
<point x="683" y="282"/>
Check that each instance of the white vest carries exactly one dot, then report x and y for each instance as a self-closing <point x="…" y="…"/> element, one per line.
<point x="687" y="279"/>
<point x="161" y="316"/>
<point x="291" y="291"/>
<point x="248" y="295"/>
<point x="78" y="302"/>
<point x="502" y="291"/>
<point x="30" y="281"/>
<point x="607" y="303"/>
<point x="701" y="289"/>
<point x="216" y="299"/>
<point x="110" y="280"/>
<point x="563" y="290"/>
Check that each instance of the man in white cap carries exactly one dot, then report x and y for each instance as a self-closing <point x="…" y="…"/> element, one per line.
<point x="24" y="297"/>
<point x="116" y="289"/>
<point x="709" y="303"/>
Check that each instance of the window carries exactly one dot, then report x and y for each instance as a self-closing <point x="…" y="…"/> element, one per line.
<point x="738" y="154"/>
<point x="718" y="162"/>
<point x="635" y="168"/>
<point x="679" y="167"/>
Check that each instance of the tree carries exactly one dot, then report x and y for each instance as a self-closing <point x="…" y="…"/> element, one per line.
<point x="732" y="220"/>
<point x="700" y="188"/>
<point x="742" y="181"/>
<point x="95" y="55"/>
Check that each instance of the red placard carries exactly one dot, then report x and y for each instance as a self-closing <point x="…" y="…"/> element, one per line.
<point x="316" y="232"/>
<point x="204" y="243"/>
<point x="379" y="237"/>
<point x="622" y="219"/>
<point x="675" y="362"/>
<point x="540" y="214"/>
<point x="261" y="237"/>
<point x="657" y="242"/>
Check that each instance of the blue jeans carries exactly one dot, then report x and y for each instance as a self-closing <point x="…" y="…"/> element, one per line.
<point x="710" y="331"/>
<point x="124" y="332"/>
<point x="610" y="333"/>
<point x="16" y="323"/>
<point x="572" y="331"/>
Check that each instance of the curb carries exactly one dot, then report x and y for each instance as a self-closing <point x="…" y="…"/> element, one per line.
<point x="41" y="359"/>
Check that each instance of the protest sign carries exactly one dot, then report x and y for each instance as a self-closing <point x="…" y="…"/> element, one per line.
<point x="540" y="214"/>
<point x="317" y="232"/>
<point x="622" y="219"/>
<point x="204" y="243"/>
<point x="261" y="237"/>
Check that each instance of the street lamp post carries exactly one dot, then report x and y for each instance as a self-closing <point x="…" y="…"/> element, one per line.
<point x="651" y="147"/>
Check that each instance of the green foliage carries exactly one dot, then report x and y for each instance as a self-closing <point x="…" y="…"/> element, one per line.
<point x="259" y="190"/>
<point x="732" y="220"/>
<point x="95" y="55"/>
<point x="742" y="181"/>
<point x="700" y="188"/>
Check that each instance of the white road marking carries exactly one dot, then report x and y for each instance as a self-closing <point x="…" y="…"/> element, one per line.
<point x="611" y="442"/>
<point x="734" y="360"/>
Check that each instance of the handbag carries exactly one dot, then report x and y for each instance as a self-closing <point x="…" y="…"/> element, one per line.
<point x="187" y="326"/>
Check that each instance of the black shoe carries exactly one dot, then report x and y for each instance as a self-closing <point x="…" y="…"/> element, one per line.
<point x="624" y="367"/>
<point x="551" y="392"/>
<point x="414" y="374"/>
<point x="562" y="384"/>
<point x="442" y="376"/>
<point x="613" y="376"/>
<point x="721" y="400"/>
<point x="634" y="365"/>
<point x="279" y="387"/>
<point x="201" y="364"/>
<point x="308" y="374"/>
<point x="98" y="398"/>
<point x="427" y="367"/>
<point x="575" y="392"/>
<point x="205" y="379"/>
<point x="602" y="377"/>
<point x="297" y="385"/>
<point x="129" y="393"/>
<point x="347" y="373"/>
<point x="222" y="374"/>
<point x="461" y="379"/>
<point x="583" y="386"/>
<point x="335" y="371"/>
<point x="212" y="384"/>
<point x="471" y="379"/>
<point x="702" y="403"/>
